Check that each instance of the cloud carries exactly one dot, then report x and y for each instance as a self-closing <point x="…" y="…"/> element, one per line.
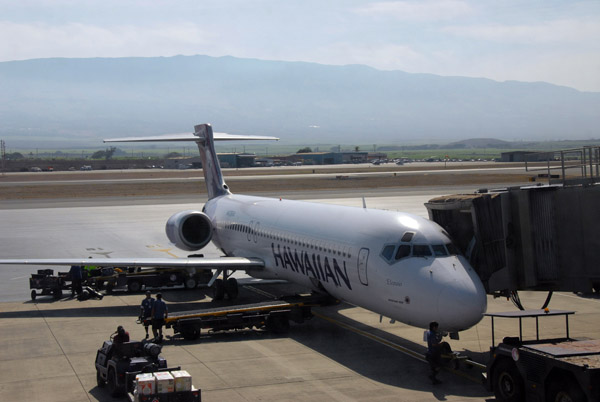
<point x="433" y="10"/>
<point x="558" y="31"/>
<point x="80" y="40"/>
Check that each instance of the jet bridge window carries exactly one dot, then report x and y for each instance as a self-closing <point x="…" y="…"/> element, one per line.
<point x="421" y="250"/>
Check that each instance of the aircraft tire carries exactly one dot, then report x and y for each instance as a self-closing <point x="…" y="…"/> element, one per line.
<point x="218" y="289"/>
<point x="231" y="288"/>
<point x="33" y="295"/>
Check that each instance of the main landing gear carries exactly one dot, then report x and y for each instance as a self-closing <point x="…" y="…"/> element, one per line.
<point x="224" y="287"/>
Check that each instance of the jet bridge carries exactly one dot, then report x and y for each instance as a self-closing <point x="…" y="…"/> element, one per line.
<point x="542" y="237"/>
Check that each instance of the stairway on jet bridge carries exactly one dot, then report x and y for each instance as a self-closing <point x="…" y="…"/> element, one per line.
<point x="542" y="237"/>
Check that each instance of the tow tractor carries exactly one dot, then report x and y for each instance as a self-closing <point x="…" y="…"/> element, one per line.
<point x="274" y="315"/>
<point x="137" y="370"/>
<point x="563" y="369"/>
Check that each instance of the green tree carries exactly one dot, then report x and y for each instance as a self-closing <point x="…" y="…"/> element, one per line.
<point x="173" y="155"/>
<point x="99" y="155"/>
<point x="304" y="150"/>
<point x="14" y="156"/>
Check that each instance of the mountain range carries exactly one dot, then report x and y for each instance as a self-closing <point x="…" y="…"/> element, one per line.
<point x="77" y="102"/>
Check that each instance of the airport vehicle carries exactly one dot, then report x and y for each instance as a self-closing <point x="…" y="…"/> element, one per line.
<point x="135" y="279"/>
<point x="396" y="264"/>
<point x="563" y="369"/>
<point x="117" y="363"/>
<point x="274" y="315"/>
<point x="47" y="283"/>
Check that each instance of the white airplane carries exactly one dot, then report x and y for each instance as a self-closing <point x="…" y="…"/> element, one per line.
<point x="396" y="264"/>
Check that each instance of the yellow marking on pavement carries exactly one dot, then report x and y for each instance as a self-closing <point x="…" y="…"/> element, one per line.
<point x="397" y="347"/>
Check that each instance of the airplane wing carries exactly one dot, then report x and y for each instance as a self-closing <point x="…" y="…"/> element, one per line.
<point x="190" y="137"/>
<point x="231" y="263"/>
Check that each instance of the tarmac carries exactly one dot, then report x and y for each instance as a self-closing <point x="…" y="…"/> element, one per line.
<point x="344" y="353"/>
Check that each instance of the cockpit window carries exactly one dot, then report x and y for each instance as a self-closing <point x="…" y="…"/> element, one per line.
<point x="421" y="250"/>
<point x="439" y="250"/>
<point x="452" y="249"/>
<point x="388" y="252"/>
<point x="403" y="251"/>
<point x="407" y="237"/>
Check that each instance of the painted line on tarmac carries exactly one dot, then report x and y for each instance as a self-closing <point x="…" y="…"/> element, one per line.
<point x="395" y="346"/>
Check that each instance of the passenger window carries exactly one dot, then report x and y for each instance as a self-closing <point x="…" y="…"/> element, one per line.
<point x="452" y="249"/>
<point x="388" y="252"/>
<point x="403" y="251"/>
<point x="407" y="237"/>
<point x="439" y="250"/>
<point x="421" y="250"/>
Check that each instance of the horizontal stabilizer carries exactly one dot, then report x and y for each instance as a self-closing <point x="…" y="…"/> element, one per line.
<point x="191" y="137"/>
<point x="237" y="263"/>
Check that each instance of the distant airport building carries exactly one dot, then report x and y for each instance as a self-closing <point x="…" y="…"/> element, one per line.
<point x="320" y="158"/>
<point x="355" y="157"/>
<point x="529" y="156"/>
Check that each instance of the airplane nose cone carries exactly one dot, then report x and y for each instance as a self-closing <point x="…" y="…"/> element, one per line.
<point x="462" y="303"/>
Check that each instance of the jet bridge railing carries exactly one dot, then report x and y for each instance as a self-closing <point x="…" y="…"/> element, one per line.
<point x="586" y="160"/>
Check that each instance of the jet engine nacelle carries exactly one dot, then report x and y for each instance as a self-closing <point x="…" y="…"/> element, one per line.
<point x="189" y="230"/>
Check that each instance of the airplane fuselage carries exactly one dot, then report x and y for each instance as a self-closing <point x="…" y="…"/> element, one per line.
<point x="396" y="264"/>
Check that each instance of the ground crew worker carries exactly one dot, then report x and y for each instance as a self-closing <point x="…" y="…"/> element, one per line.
<point x="159" y="313"/>
<point x="435" y="348"/>
<point x="90" y="269"/>
<point x="76" y="276"/>
<point x="146" y="311"/>
<point x="121" y="336"/>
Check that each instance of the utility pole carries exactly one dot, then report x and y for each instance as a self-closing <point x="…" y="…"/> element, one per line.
<point x="3" y="154"/>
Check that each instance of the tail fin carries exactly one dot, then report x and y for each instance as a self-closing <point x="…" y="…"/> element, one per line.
<point x="204" y="137"/>
<point x="215" y="185"/>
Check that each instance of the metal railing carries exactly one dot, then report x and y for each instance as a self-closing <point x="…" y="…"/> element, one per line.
<point x="586" y="160"/>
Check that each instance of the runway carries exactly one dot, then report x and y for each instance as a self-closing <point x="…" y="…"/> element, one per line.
<point x="345" y="353"/>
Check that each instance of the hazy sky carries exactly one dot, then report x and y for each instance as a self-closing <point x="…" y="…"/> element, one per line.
<point x="545" y="40"/>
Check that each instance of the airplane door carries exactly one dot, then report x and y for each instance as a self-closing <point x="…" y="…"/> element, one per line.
<point x="363" y="256"/>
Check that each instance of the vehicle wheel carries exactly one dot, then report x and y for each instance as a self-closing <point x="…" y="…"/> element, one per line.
<point x="99" y="285"/>
<point x="190" y="283"/>
<point x="231" y="288"/>
<point x="134" y="286"/>
<point x="218" y="289"/>
<point x="278" y="324"/>
<point x="190" y="332"/>
<point x="508" y="384"/>
<point x="57" y="293"/>
<point x="109" y="288"/>
<point x="99" y="380"/>
<point x="33" y="295"/>
<point x="566" y="390"/>
<point x="113" y="388"/>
